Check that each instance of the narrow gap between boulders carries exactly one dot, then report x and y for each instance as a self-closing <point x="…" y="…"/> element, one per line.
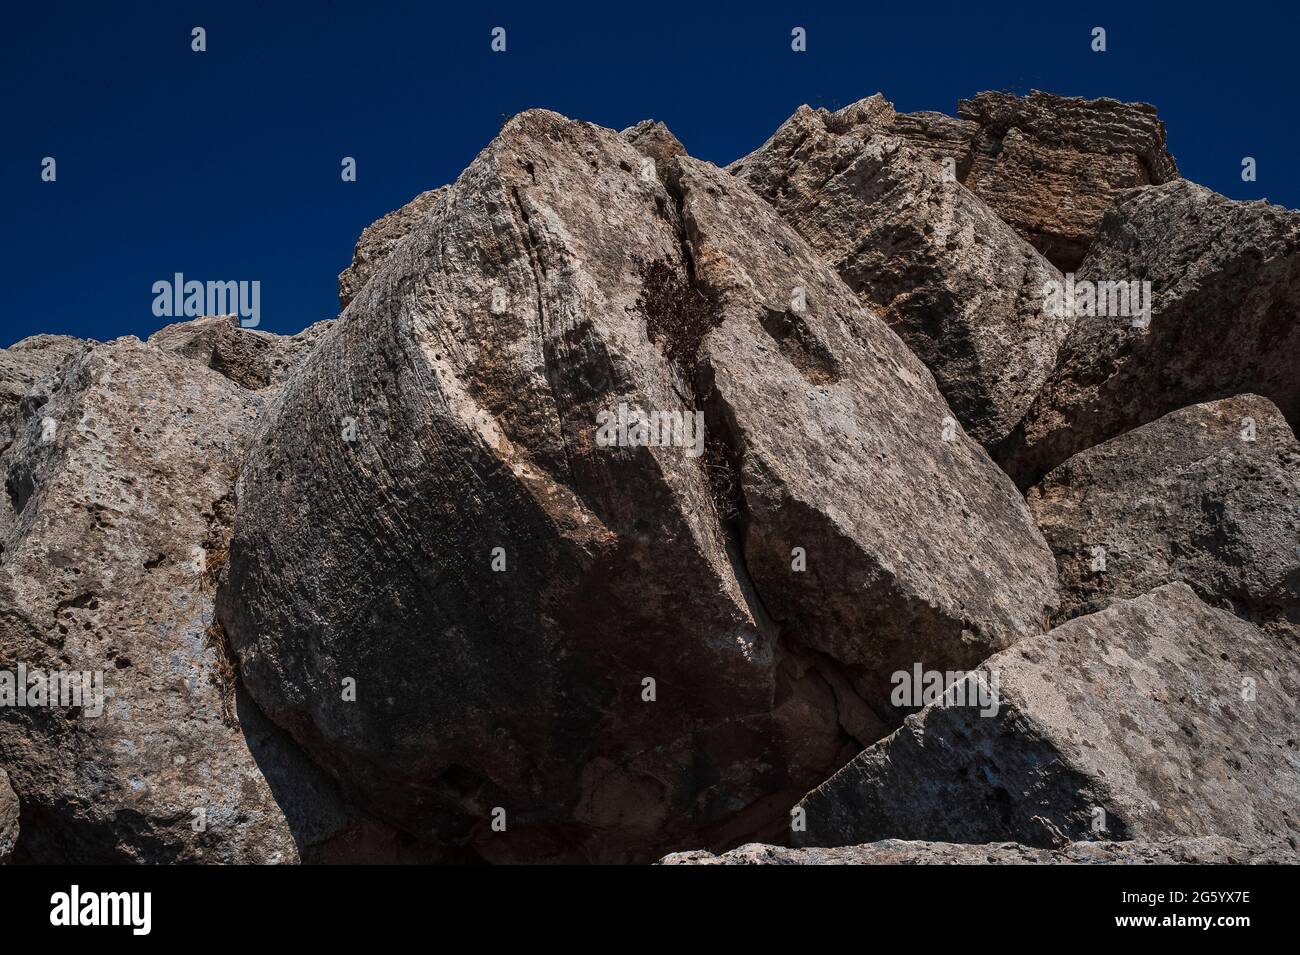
<point x="680" y="314"/>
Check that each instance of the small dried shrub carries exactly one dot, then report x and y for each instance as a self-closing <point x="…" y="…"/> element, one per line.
<point x="678" y="316"/>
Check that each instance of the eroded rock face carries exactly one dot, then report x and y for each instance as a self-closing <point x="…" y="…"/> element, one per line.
<point x="488" y="620"/>
<point x="654" y="140"/>
<point x="379" y="239"/>
<point x="117" y="486"/>
<point x="951" y="278"/>
<point x="8" y="819"/>
<point x="26" y="362"/>
<point x="1208" y="495"/>
<point x="475" y="392"/>
<point x="500" y="584"/>
<point x="1051" y="165"/>
<point x="1225" y="291"/>
<point x="26" y="370"/>
<point x="1047" y="165"/>
<point x="650" y="137"/>
<point x="943" y="138"/>
<point x="1158" y="717"/>
<point x="916" y="550"/>
<point x="119" y="489"/>
<point x="1209" y="850"/>
<point x="250" y="358"/>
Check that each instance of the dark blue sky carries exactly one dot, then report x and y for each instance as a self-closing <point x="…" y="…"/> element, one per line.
<point x="225" y="164"/>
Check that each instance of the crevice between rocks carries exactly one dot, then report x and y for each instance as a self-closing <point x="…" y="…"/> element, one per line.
<point x="723" y="457"/>
<point x="723" y="464"/>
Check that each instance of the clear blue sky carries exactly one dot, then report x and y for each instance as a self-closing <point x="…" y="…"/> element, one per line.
<point x="225" y="164"/>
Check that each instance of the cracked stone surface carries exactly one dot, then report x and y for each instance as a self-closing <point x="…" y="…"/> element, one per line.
<point x="26" y="362"/>
<point x="107" y="519"/>
<point x="386" y="591"/>
<point x="249" y="357"/>
<point x="119" y="486"/>
<point x="475" y="364"/>
<point x="1225" y="284"/>
<point x="23" y="367"/>
<point x="920" y="551"/>
<point x="938" y="136"/>
<point x="1207" y="850"/>
<point x="654" y="140"/>
<point x="1208" y="495"/>
<point x="944" y="272"/>
<point x="1050" y="166"/>
<point x="1047" y="165"/>
<point x="1158" y="717"/>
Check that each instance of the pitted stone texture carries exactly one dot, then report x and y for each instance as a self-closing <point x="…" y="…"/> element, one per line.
<point x="951" y="278"/>
<point x="1225" y="284"/>
<point x="27" y="370"/>
<point x="26" y="362"/>
<point x="943" y="138"/>
<point x="1051" y="165"/>
<point x="1208" y="850"/>
<point x="379" y="239"/>
<point x="118" y="463"/>
<point x="118" y="485"/>
<point x="1047" y="165"/>
<point x="249" y="357"/>
<point x="1208" y="495"/>
<point x="1158" y="717"/>
<point x="654" y="140"/>
<point x="475" y="366"/>
<point x="917" y="549"/>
